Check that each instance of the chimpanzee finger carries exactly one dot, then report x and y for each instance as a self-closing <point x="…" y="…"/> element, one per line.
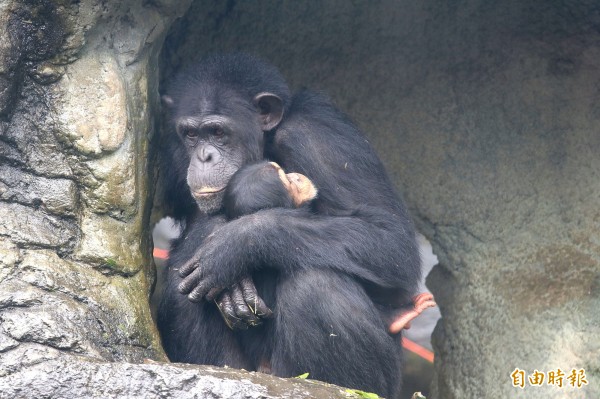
<point x="190" y="282"/>
<point x="225" y="306"/>
<point x="256" y="304"/>
<point x="403" y="319"/>
<point x="241" y="307"/>
<point x="212" y="294"/>
<point x="190" y="265"/>
<point x="198" y="293"/>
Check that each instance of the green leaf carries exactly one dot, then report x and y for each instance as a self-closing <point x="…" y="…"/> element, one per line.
<point x="363" y="394"/>
<point x="303" y="376"/>
<point x="111" y="262"/>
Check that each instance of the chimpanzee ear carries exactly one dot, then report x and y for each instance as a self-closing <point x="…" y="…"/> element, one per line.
<point x="167" y="101"/>
<point x="270" y="108"/>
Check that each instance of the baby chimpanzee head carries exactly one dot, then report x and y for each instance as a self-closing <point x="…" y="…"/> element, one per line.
<point x="265" y="185"/>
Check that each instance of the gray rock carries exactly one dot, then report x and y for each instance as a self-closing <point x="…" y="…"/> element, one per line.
<point x="57" y="196"/>
<point x="72" y="377"/>
<point x="7" y="342"/>
<point x="28" y="226"/>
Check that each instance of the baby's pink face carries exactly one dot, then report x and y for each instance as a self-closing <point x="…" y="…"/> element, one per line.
<point x="300" y="188"/>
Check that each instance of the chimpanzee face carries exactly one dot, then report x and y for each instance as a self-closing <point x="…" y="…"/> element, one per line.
<point x="221" y="131"/>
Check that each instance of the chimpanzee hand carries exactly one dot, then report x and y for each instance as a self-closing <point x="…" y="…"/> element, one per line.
<point x="224" y="258"/>
<point x="241" y="307"/>
<point x="198" y="281"/>
<point x="403" y="319"/>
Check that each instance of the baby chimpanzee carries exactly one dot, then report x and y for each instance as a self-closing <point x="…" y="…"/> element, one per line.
<point x="253" y="188"/>
<point x="265" y="185"/>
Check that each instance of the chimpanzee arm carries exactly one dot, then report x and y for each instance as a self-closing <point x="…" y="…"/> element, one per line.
<point x="372" y="245"/>
<point x="239" y="304"/>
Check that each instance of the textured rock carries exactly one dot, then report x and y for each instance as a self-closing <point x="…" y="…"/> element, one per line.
<point x="99" y="246"/>
<point x="57" y="196"/>
<point x="28" y="226"/>
<point x="71" y="377"/>
<point x="27" y="140"/>
<point x="74" y="180"/>
<point x="93" y="110"/>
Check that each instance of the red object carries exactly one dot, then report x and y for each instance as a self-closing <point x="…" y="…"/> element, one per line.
<point x="160" y="253"/>
<point x="417" y="349"/>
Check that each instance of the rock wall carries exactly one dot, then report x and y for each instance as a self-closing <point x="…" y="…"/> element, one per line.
<point x="76" y="118"/>
<point x="76" y="108"/>
<point x="487" y="116"/>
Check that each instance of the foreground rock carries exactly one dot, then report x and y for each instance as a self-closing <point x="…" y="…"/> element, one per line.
<point x="71" y="377"/>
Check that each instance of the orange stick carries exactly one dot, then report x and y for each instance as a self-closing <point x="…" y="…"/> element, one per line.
<point x="417" y="349"/>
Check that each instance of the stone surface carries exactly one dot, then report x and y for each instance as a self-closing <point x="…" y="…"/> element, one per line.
<point x="72" y="377"/>
<point x="74" y="255"/>
<point x="32" y="227"/>
<point x="57" y="196"/>
<point x="99" y="124"/>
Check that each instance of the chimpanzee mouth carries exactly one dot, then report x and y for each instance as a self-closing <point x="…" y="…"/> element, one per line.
<point x="206" y="192"/>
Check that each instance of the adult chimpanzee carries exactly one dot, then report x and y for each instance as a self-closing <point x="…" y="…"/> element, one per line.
<point x="334" y="271"/>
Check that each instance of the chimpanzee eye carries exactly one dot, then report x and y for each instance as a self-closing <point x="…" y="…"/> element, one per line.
<point x="218" y="132"/>
<point x="190" y="133"/>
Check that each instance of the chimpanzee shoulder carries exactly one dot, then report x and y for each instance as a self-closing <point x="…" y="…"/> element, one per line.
<point x="320" y="141"/>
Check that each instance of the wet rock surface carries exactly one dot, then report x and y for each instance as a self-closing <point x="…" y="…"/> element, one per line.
<point x="72" y="377"/>
<point x="32" y="227"/>
<point x="57" y="196"/>
<point x="58" y="290"/>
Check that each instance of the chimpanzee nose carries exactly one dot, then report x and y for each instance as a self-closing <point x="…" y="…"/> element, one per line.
<point x="207" y="154"/>
<point x="293" y="177"/>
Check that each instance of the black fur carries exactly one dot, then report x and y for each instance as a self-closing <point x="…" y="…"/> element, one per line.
<point x="253" y="188"/>
<point x="327" y="269"/>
